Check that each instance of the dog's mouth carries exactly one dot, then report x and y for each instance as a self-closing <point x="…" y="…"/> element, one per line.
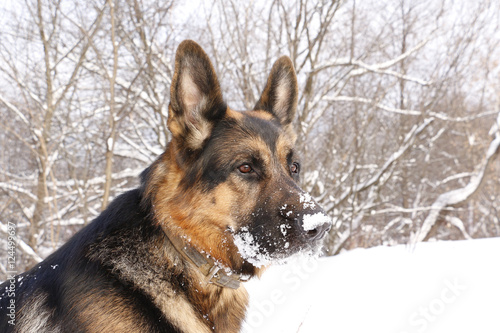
<point x="270" y="236"/>
<point x="271" y="248"/>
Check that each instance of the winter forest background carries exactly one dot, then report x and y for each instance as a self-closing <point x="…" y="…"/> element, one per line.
<point x="398" y="118"/>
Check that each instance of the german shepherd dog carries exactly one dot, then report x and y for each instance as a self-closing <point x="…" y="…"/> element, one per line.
<point x="218" y="206"/>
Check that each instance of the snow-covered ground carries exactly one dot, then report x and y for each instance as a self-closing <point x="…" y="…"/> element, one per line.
<point x="431" y="287"/>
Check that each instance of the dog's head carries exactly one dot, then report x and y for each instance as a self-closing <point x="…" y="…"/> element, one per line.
<point x="228" y="181"/>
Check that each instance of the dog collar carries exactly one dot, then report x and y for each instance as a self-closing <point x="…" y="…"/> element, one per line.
<point x="206" y="265"/>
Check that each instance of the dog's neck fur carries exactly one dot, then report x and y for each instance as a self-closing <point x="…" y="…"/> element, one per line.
<point x="205" y="264"/>
<point x="222" y="308"/>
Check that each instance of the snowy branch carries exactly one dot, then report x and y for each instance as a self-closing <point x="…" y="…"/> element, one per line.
<point x="14" y="109"/>
<point x="21" y="244"/>
<point x="457" y="196"/>
<point x="380" y="67"/>
<point x="408" y="141"/>
<point x="406" y="112"/>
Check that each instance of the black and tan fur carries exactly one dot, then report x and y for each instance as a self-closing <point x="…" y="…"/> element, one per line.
<point x="223" y="173"/>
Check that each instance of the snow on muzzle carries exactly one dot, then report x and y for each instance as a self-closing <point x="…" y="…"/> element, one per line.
<point x="309" y="216"/>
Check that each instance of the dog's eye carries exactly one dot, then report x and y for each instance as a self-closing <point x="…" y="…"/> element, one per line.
<point x="295" y="167"/>
<point x="245" y="168"/>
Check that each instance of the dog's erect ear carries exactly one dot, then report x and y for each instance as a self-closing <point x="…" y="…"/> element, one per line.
<point x="195" y="98"/>
<point x="280" y="94"/>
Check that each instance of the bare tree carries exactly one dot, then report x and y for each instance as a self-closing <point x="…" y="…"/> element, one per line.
<point x="54" y="107"/>
<point x="44" y="97"/>
<point x="397" y="101"/>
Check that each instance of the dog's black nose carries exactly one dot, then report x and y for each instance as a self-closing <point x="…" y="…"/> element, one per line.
<point x="315" y="224"/>
<point x="310" y="218"/>
<point x="318" y="232"/>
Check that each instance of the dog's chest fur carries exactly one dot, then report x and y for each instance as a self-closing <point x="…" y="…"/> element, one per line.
<point x="173" y="285"/>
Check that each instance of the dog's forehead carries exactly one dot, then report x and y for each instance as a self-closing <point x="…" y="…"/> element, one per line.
<point x="260" y="126"/>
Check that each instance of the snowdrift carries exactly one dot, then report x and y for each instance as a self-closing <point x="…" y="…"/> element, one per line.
<point x="451" y="286"/>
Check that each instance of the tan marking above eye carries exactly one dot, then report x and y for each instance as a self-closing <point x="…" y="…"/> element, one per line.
<point x="284" y="148"/>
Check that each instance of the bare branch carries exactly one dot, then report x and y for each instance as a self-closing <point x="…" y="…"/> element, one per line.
<point x="457" y="196"/>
